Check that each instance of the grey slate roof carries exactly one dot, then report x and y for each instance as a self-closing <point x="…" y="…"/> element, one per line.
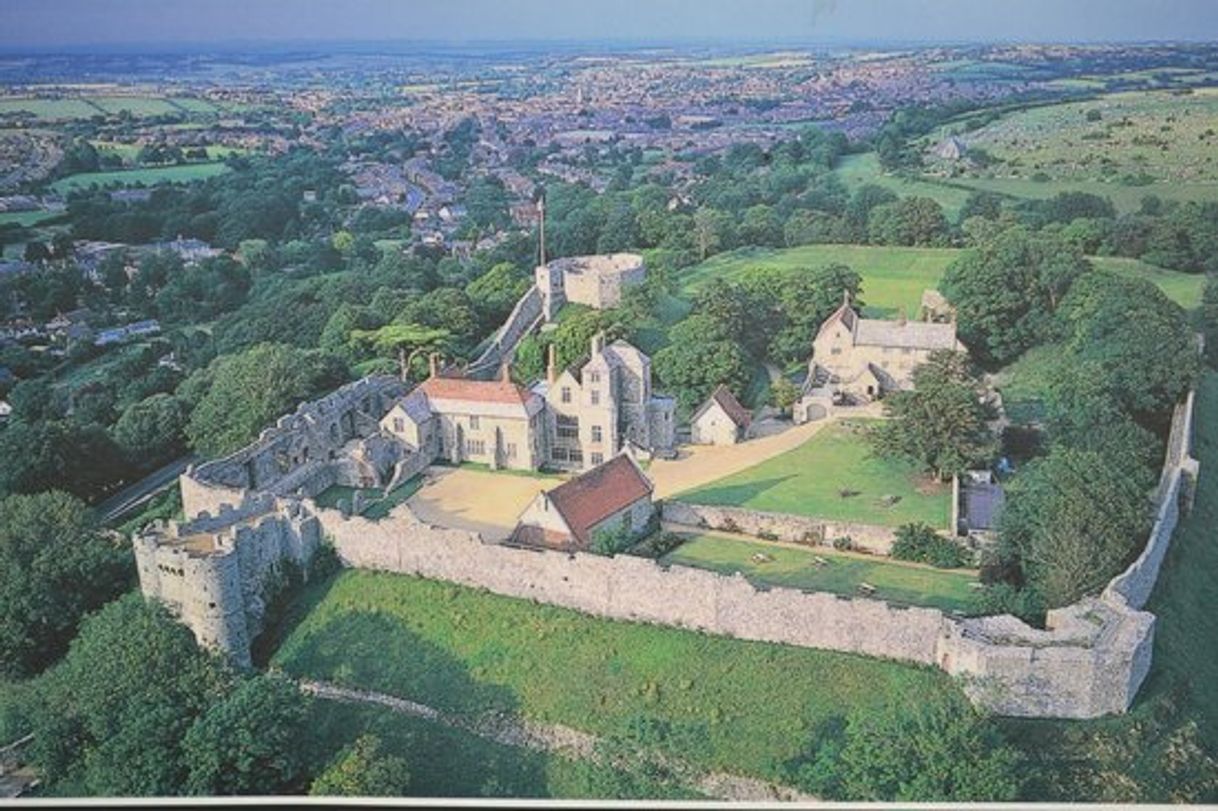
<point x="911" y="334"/>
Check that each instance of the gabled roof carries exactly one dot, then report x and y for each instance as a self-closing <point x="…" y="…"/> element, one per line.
<point x="591" y="497"/>
<point x="477" y="391"/>
<point x="723" y="396"/>
<point x="844" y="314"/>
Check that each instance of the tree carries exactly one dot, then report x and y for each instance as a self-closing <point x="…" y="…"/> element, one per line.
<point x="58" y="454"/>
<point x="1006" y="289"/>
<point x="55" y="566"/>
<point x="363" y="770"/>
<point x="713" y="231"/>
<point x="783" y="394"/>
<point x="110" y="718"/>
<point x="151" y="431"/>
<point x="939" y="750"/>
<point x="691" y="367"/>
<point x="247" y="742"/>
<point x="496" y="292"/>
<point x="1071" y="519"/>
<point x="909" y="221"/>
<point x="1209" y="319"/>
<point x="250" y="389"/>
<point x="940" y="424"/>
<point x="1141" y="339"/>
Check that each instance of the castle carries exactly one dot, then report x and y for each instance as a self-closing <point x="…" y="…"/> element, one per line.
<point x="596" y="281"/>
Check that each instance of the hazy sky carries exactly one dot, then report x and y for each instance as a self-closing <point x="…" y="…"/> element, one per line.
<point x="79" y="22"/>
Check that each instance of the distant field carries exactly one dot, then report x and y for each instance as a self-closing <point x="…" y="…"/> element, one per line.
<point x="810" y="480"/>
<point x="25" y="218"/>
<point x="744" y="707"/>
<point x="1171" y="138"/>
<point x="129" y="152"/>
<point x="50" y="108"/>
<point x="103" y="104"/>
<point x="776" y="565"/>
<point x="148" y="177"/>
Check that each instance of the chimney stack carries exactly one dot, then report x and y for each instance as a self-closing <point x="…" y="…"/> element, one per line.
<point x="433" y="364"/>
<point x="402" y="367"/>
<point x="552" y="364"/>
<point x="505" y="373"/>
<point x="598" y="343"/>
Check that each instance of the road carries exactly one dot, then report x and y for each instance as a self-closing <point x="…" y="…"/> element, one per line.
<point x="137" y="494"/>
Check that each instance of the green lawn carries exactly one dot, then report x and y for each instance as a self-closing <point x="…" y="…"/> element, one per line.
<point x="50" y="108"/>
<point x="788" y="566"/>
<point x="185" y="173"/>
<point x="808" y="480"/>
<point x="376" y="504"/>
<point x="745" y="707"/>
<point x="892" y="277"/>
<point x="1022" y="383"/>
<point x="446" y="762"/>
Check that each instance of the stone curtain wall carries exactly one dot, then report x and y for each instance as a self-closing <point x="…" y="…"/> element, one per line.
<point x="1094" y="654"/>
<point x="1135" y="584"/>
<point x="1090" y="660"/>
<point x="526" y="313"/>
<point x="780" y="526"/>
<point x="639" y="589"/>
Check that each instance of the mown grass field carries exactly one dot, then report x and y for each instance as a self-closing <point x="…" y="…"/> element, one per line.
<point x="777" y="565"/>
<point x="893" y="278"/>
<point x="185" y="173"/>
<point x="744" y="707"/>
<point x="810" y="480"/>
<point x="1022" y="383"/>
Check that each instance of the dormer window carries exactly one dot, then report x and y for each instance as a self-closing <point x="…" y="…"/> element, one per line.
<point x="594" y="377"/>
<point x="566" y="394"/>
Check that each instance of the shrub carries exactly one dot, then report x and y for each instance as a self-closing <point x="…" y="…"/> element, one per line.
<point x="843" y="543"/>
<point x="609" y="542"/>
<point x="921" y="544"/>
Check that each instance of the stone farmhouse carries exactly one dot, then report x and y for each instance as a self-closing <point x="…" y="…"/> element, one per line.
<point x="613" y="496"/>
<point x="597" y="281"/>
<point x="721" y="420"/>
<point x="861" y="359"/>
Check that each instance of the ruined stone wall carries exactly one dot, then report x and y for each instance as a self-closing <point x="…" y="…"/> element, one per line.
<point x="781" y="526"/>
<point x="215" y="572"/>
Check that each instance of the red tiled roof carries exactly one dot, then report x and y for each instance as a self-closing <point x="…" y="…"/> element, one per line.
<point x="731" y="406"/>
<point x="591" y="497"/>
<point x="478" y="391"/>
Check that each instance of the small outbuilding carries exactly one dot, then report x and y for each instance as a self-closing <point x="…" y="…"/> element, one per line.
<point x="721" y="420"/>
<point x="612" y="497"/>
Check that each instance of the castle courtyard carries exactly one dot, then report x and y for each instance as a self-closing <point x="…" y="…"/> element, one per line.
<point x="483" y="501"/>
